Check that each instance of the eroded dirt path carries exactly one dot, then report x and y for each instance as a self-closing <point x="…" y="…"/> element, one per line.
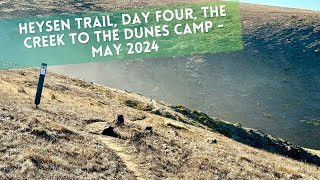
<point x="120" y="147"/>
<point x="125" y="153"/>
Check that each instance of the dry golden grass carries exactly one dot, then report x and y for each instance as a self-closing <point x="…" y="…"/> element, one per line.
<point x="62" y="140"/>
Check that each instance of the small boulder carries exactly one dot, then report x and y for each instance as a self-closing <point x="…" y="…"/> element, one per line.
<point x="149" y="128"/>
<point x="119" y="119"/>
<point x="212" y="141"/>
<point x="109" y="132"/>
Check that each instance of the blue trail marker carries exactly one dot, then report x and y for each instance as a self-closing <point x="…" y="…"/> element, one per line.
<point x="43" y="71"/>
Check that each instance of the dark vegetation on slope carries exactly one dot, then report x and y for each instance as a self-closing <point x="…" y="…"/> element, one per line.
<point x="251" y="137"/>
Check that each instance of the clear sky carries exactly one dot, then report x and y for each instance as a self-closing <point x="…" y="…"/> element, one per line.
<point x="302" y="4"/>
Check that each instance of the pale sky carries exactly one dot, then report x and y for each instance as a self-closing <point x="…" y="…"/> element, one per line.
<point x="305" y="4"/>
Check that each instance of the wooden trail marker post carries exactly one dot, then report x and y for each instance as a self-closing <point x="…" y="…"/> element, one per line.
<point x="43" y="71"/>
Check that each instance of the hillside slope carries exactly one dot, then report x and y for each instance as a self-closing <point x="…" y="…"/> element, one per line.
<point x="275" y="87"/>
<point x="62" y="139"/>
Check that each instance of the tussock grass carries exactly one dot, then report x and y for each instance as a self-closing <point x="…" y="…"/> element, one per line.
<point x="138" y="105"/>
<point x="22" y="90"/>
<point x="175" y="125"/>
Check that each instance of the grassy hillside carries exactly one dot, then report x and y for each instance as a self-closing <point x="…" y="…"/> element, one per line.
<point x="62" y="139"/>
<point x="275" y="87"/>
